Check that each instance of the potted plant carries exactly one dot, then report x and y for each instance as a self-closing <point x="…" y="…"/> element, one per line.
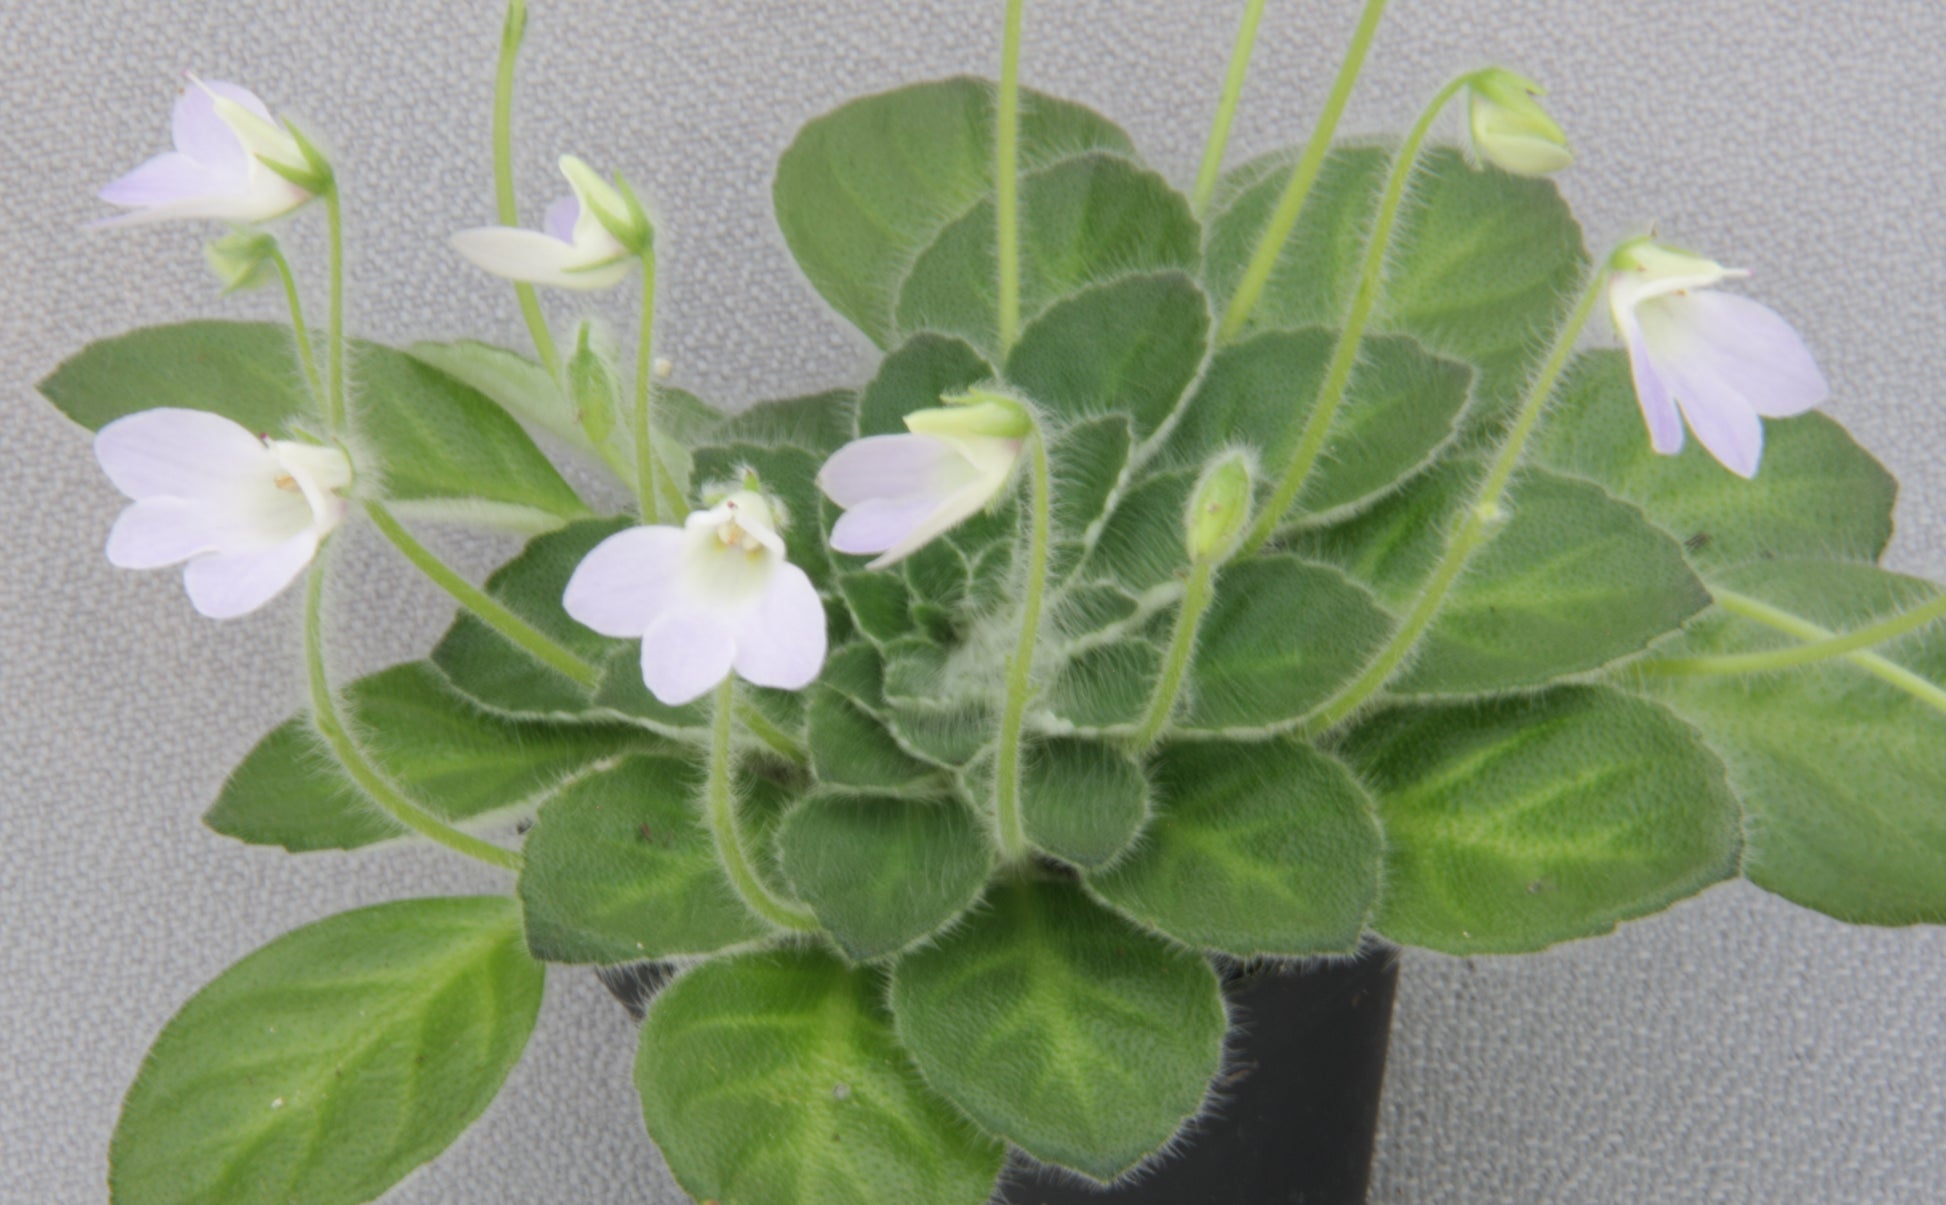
<point x="1199" y="577"/>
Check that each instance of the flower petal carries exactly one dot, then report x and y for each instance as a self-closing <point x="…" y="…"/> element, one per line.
<point x="166" y="179"/>
<point x="1732" y="432"/>
<point x="1750" y="347"/>
<point x="226" y="585"/>
<point x="162" y="531"/>
<point x="201" y="134"/>
<point x="626" y="581"/>
<point x="177" y="453"/>
<point x="685" y="654"/>
<point x="780" y="642"/>
<point x="876" y="524"/>
<point x="893" y="466"/>
<point x="1652" y="394"/>
<point x="558" y="223"/>
<point x="529" y="255"/>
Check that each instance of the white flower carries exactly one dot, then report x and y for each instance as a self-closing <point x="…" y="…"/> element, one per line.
<point x="1725" y="362"/>
<point x="900" y="492"/>
<point x="587" y="240"/>
<point x="246" y="513"/>
<point x="223" y="134"/>
<point x="706" y="598"/>
<point x="1510" y="129"/>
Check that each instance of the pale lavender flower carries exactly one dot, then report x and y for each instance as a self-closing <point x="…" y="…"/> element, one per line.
<point x="247" y="513"/>
<point x="900" y="492"/>
<point x="710" y="597"/>
<point x="587" y="240"/>
<point x="1722" y="363"/>
<point x="223" y="136"/>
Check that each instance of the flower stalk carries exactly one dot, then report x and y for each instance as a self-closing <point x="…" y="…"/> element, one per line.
<point x="1007" y="818"/>
<point x="1226" y="109"/>
<point x="728" y="834"/>
<point x="335" y="415"/>
<point x="306" y="354"/>
<point x="1006" y="178"/>
<point x="503" y="177"/>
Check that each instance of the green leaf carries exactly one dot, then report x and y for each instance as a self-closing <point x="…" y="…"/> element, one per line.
<point x="434" y="444"/>
<point x="459" y="762"/>
<point x="880" y="604"/>
<point x="619" y="868"/>
<point x="865" y="188"/>
<point x="1400" y="408"/>
<point x="850" y="747"/>
<point x="1084" y="221"/>
<point x="1264" y="849"/>
<point x="880" y="871"/>
<point x="775" y="1079"/>
<point x="924" y="369"/>
<point x="1819" y="493"/>
<point x="324" y="1067"/>
<point x="501" y="676"/>
<point x="1129" y="347"/>
<point x="511" y="381"/>
<point x="817" y="424"/>
<point x="1515" y="823"/>
<point x="1089" y="463"/>
<point x="1281" y="637"/>
<point x="1840" y="772"/>
<point x="1082" y="801"/>
<point x="1480" y="268"/>
<point x="1142" y="544"/>
<point x="1570" y="581"/>
<point x="1062" y="1028"/>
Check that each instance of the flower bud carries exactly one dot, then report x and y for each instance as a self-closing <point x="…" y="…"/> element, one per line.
<point x="592" y="385"/>
<point x="1218" y="509"/>
<point x="977" y="412"/>
<point x="242" y="260"/>
<point x="1510" y="129"/>
<point x="615" y="205"/>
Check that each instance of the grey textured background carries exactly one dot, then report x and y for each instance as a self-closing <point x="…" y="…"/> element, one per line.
<point x="1737" y="1049"/>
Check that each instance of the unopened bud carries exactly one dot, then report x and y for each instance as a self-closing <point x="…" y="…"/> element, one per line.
<point x="616" y="206"/>
<point x="242" y="260"/>
<point x="593" y="387"/>
<point x="978" y="412"/>
<point x="1218" y="509"/>
<point x="1510" y="129"/>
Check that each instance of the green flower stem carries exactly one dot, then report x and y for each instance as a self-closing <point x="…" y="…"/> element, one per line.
<point x="729" y="837"/>
<point x="334" y="402"/>
<point x="306" y="354"/>
<point x="1226" y="109"/>
<point x="1475" y="528"/>
<point x="1182" y="645"/>
<point x="780" y="742"/>
<point x="503" y="177"/>
<point x="1012" y="830"/>
<point x="331" y="726"/>
<point x="490" y="610"/>
<point x="1819" y="645"/>
<point x="1007" y="177"/>
<point x="651" y="476"/>
<point x="1344" y="357"/>
<point x="1284" y="219"/>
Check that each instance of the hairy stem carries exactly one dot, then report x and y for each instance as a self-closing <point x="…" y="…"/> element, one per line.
<point x="724" y="828"/>
<point x="1182" y="646"/>
<point x="306" y="354"/>
<point x="1475" y="528"/>
<point x="1012" y="829"/>
<point x="1284" y="219"/>
<point x="1226" y="109"/>
<point x="644" y="440"/>
<point x="331" y="726"/>
<point x="1007" y="177"/>
<point x="503" y="178"/>
<point x="334" y="225"/>
<point x="1344" y="357"/>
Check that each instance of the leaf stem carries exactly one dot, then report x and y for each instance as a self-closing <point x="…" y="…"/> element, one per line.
<point x="484" y="606"/>
<point x="1476" y="528"/>
<point x="727" y="833"/>
<point x="1820" y="644"/>
<point x="306" y="354"/>
<point x="1226" y="109"/>
<point x="1012" y="829"/>
<point x="503" y="177"/>
<point x="334" y="403"/>
<point x="1344" y="357"/>
<point x="1007" y="177"/>
<point x="1182" y="646"/>
<point x="1284" y="219"/>
<point x="331" y="726"/>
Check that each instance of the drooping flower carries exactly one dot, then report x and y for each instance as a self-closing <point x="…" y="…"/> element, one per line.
<point x="710" y="597"/>
<point x="247" y="513"/>
<point x="587" y="240"/>
<point x="1722" y="363"/>
<point x="900" y="492"/>
<point x="226" y="142"/>
<point x="1510" y="129"/>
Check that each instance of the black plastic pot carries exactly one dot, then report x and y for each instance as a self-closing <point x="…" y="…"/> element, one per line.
<point x="1297" y="1106"/>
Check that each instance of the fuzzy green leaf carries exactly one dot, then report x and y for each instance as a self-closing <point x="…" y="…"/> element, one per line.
<point x="774" y="1079"/>
<point x="924" y="369"/>
<point x="1129" y="347"/>
<point x="867" y="187"/>
<point x="324" y="1067"/>
<point x="1082" y="801"/>
<point x="850" y="747"/>
<point x="817" y="424"/>
<point x="1263" y="849"/>
<point x="1515" y="823"/>
<point x="1062" y="1028"/>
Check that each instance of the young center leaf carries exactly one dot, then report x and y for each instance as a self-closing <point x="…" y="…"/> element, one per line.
<point x="775" y="1078"/>
<point x="328" y="1064"/>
